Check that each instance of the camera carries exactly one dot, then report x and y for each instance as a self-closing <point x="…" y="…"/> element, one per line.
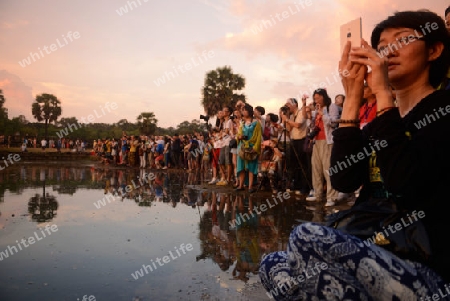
<point x="204" y="117"/>
<point x="232" y="117"/>
<point x="313" y="133"/>
<point x="285" y="110"/>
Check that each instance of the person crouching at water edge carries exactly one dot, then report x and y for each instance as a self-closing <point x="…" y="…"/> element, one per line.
<point x="413" y="161"/>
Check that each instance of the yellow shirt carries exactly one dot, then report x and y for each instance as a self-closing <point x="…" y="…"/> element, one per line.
<point x="132" y="147"/>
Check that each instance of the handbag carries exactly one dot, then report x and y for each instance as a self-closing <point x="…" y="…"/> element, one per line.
<point x="233" y="143"/>
<point x="247" y="153"/>
<point x="380" y="221"/>
<point x="308" y="145"/>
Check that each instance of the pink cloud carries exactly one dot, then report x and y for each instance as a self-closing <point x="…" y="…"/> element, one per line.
<point x="17" y="94"/>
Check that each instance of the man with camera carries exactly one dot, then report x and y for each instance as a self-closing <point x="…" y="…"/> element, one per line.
<point x="296" y="125"/>
<point x="227" y="134"/>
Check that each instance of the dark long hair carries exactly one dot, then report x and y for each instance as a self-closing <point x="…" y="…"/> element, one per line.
<point x="416" y="20"/>
<point x="249" y="109"/>
<point x="326" y="97"/>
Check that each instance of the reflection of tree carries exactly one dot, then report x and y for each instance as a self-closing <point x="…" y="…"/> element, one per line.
<point x="42" y="207"/>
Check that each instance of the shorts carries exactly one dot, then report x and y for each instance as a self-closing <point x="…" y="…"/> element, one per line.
<point x="233" y="151"/>
<point x="225" y="156"/>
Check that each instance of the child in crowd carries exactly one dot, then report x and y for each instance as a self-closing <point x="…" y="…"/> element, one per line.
<point x="270" y="158"/>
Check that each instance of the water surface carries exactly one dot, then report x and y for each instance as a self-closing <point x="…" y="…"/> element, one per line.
<point x="105" y="234"/>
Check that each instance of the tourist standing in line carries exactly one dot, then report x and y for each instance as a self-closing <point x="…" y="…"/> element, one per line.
<point x="325" y="116"/>
<point x="248" y="136"/>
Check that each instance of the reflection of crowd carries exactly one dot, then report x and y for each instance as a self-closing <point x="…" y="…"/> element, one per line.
<point x="235" y="244"/>
<point x="234" y="247"/>
<point x="138" y="186"/>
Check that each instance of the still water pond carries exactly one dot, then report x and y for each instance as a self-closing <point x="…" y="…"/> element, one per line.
<point x="74" y="230"/>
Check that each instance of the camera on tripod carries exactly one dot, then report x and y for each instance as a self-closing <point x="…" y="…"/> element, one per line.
<point x="204" y="117"/>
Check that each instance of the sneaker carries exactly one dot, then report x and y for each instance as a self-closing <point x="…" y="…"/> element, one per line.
<point x="311" y="193"/>
<point x="222" y="183"/>
<point x="311" y="198"/>
<point x="330" y="203"/>
<point x="213" y="181"/>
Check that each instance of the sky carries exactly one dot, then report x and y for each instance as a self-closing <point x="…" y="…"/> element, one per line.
<point x="114" y="59"/>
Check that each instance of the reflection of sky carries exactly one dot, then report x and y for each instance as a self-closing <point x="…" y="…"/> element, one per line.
<point x="95" y="250"/>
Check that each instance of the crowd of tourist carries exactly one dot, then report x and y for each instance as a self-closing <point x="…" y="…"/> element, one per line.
<point x="390" y="148"/>
<point x="288" y="150"/>
<point x="75" y="145"/>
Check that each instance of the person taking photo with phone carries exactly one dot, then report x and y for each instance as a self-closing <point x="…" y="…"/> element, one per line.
<point x="410" y="159"/>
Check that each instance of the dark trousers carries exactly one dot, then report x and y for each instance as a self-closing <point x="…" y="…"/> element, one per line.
<point x="176" y="159"/>
<point x="299" y="166"/>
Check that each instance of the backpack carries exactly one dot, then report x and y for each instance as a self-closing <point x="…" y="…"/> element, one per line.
<point x="194" y="146"/>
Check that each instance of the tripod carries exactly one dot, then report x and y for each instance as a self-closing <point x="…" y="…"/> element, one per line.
<point x="284" y="179"/>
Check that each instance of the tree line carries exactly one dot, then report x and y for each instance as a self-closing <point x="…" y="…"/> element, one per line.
<point x="220" y="89"/>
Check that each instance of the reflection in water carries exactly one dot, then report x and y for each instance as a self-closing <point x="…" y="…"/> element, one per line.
<point x="42" y="208"/>
<point x="234" y="244"/>
<point x="237" y="244"/>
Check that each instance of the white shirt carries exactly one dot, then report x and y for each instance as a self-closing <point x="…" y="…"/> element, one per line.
<point x="227" y="137"/>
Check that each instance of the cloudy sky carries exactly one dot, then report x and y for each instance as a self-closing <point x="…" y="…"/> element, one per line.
<point x="152" y="55"/>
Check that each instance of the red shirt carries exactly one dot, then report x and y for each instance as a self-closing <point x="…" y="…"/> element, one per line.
<point x="367" y="113"/>
<point x="319" y="123"/>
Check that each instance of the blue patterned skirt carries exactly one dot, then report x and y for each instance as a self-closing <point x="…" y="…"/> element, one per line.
<point x="322" y="263"/>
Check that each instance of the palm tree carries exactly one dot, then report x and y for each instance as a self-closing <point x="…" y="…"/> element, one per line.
<point x="147" y="123"/>
<point x="46" y="107"/>
<point x="219" y="89"/>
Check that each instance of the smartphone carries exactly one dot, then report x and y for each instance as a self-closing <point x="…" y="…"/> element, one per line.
<point x="351" y="31"/>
